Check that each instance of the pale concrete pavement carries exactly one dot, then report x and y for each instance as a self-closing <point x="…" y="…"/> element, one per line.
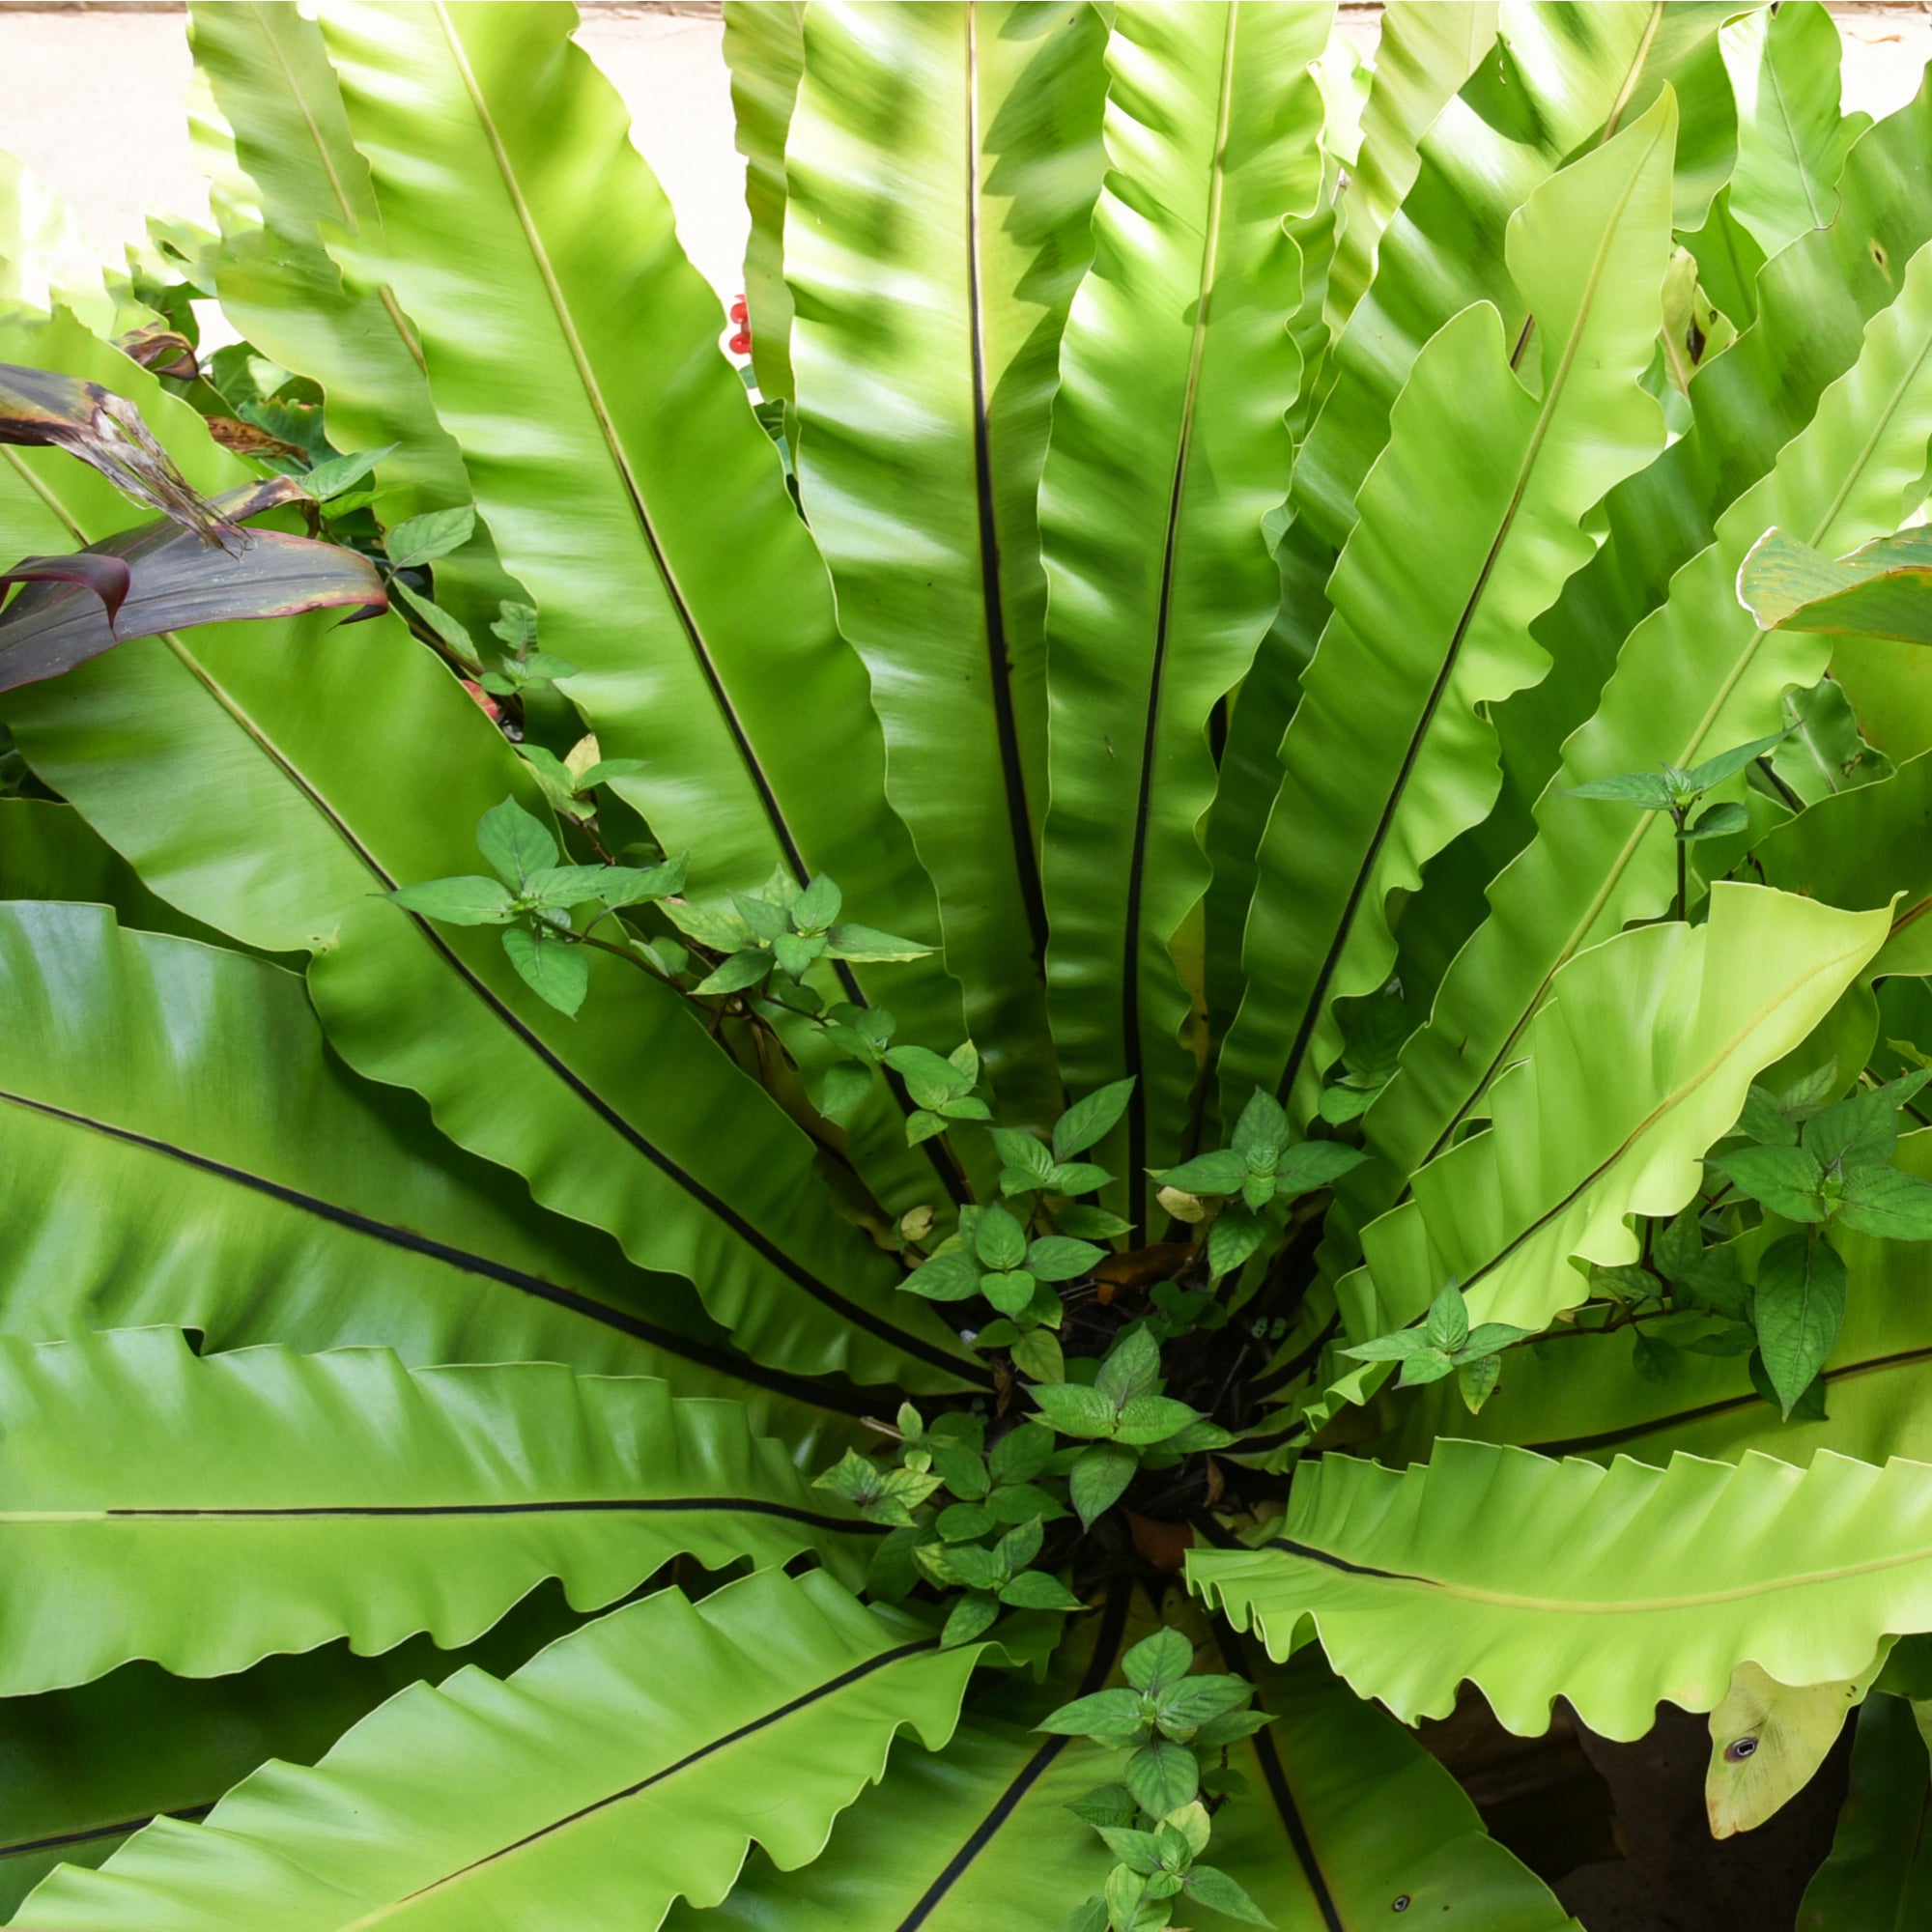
<point x="93" y="103"/>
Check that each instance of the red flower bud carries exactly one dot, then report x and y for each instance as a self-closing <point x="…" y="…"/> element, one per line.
<point x="740" y="314"/>
<point x="741" y="343"/>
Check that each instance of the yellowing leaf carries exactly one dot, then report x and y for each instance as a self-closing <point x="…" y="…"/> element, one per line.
<point x="1767" y="1739"/>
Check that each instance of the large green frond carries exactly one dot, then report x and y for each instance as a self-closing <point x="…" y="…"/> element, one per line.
<point x="179" y="1149"/>
<point x="1573" y="1396"/>
<point x="650" y="521"/>
<point x="764" y="47"/>
<point x="1343" y="1814"/>
<point x="1640" y="1583"/>
<point x="1389" y="755"/>
<point x="974" y="1836"/>
<point x="1637" y="1065"/>
<point x="1791" y="136"/>
<point x="1558" y="80"/>
<point x="88" y="1766"/>
<point x="1696" y="678"/>
<point x="48" y="851"/>
<point x="1811" y="307"/>
<point x="343" y="1495"/>
<point x="1425" y="50"/>
<point x="1167" y="449"/>
<point x="1346" y="1814"/>
<point x="247" y="776"/>
<point x="942" y="164"/>
<point x="269" y="75"/>
<point x="627" y="1765"/>
<point x="1880" y="1870"/>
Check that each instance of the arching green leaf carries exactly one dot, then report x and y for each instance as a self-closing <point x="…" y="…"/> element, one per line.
<point x="1345" y="1813"/>
<point x="178" y="1148"/>
<point x="1791" y="138"/>
<point x="1696" y="678"/>
<point x="88" y="1766"/>
<point x="1589" y="1132"/>
<point x="1388" y="757"/>
<point x="1167" y="449"/>
<point x="249" y="780"/>
<point x="653" y="526"/>
<point x="1813" y="304"/>
<point x="49" y="851"/>
<point x="1866" y="847"/>
<point x="269" y="75"/>
<point x="764" y="47"/>
<point x="342" y="1495"/>
<point x="1424" y="53"/>
<point x="1640" y="1583"/>
<point x="629" y="1765"/>
<point x="975" y="1834"/>
<point x="1558" y="81"/>
<point x="942" y="163"/>
<point x="1577" y="1397"/>
<point x="1880" y="1870"/>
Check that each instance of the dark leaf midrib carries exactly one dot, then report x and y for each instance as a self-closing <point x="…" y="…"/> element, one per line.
<point x="122" y="1828"/>
<point x="949" y="1174"/>
<point x="761" y="1244"/>
<point x="1274" y="1774"/>
<point x="999" y="652"/>
<point x="831" y="1688"/>
<point x="798" y="1388"/>
<point x="557" y="1506"/>
<point x="1106" y="1650"/>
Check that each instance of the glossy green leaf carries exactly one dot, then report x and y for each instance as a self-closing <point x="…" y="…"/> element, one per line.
<point x="1561" y="1398"/>
<point x="224" y="1173"/>
<point x="978" y="1834"/>
<point x="1813" y="303"/>
<point x="1791" y="138"/>
<point x="1641" y="1583"/>
<point x="1880" y="1869"/>
<point x="1799" y="1307"/>
<point x="1391" y="765"/>
<point x="48" y="851"/>
<point x="656" y="536"/>
<point x="1424" y="53"/>
<point x="764" y="47"/>
<point x="342" y="1495"/>
<point x="629" y="1765"/>
<point x="1587" y="1133"/>
<point x="941" y="163"/>
<point x="1696" y="678"/>
<point x="249" y="780"/>
<point x="1168" y="448"/>
<point x="459" y="901"/>
<point x="269" y="77"/>
<point x="89" y="1766"/>
<point x="1567" y="79"/>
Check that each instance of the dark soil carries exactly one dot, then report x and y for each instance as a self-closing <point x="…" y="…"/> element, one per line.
<point x="1619" y="1830"/>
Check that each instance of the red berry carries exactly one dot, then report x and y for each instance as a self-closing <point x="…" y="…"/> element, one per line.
<point x="490" y="707"/>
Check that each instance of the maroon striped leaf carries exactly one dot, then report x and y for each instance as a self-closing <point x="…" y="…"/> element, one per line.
<point x="163" y="577"/>
<point x="44" y="410"/>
